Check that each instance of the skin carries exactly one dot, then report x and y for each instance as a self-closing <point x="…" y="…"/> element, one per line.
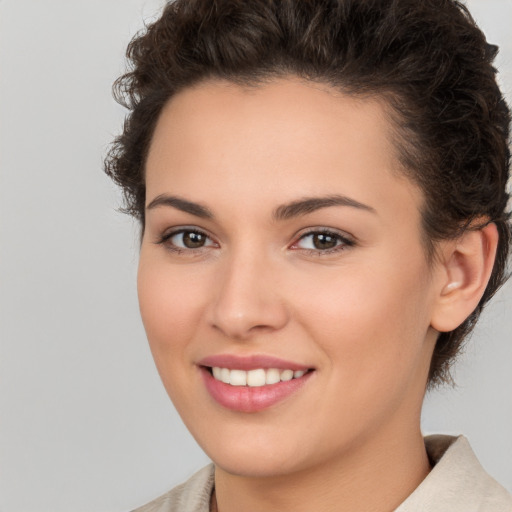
<point x="363" y="316"/>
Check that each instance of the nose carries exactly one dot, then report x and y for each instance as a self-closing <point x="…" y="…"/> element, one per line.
<point x="248" y="298"/>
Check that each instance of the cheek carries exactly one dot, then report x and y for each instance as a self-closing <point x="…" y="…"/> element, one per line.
<point x="372" y="333"/>
<point x="371" y="322"/>
<point x="171" y="302"/>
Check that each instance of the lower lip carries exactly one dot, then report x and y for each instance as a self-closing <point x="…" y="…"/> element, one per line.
<point x="251" y="399"/>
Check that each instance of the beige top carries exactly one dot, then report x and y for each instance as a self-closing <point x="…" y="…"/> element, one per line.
<point x="457" y="483"/>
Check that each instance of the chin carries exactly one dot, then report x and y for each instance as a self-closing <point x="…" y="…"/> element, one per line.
<point x="253" y="455"/>
<point x="263" y="465"/>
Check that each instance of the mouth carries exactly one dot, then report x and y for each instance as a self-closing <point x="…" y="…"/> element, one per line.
<point x="254" y="378"/>
<point x="252" y="384"/>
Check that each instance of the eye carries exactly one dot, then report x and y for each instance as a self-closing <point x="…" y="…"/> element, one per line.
<point x="186" y="239"/>
<point x="323" y="242"/>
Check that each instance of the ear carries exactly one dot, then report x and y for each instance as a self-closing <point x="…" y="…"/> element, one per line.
<point x="465" y="266"/>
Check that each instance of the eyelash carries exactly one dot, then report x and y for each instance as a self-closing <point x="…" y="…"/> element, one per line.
<point x="342" y="241"/>
<point x="166" y="237"/>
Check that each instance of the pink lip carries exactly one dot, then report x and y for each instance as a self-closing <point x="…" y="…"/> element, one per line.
<point x="250" y="362"/>
<point x="251" y="399"/>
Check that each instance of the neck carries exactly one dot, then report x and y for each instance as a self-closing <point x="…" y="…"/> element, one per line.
<point x="375" y="477"/>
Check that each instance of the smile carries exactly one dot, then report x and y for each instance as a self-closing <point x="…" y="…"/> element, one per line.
<point x="251" y="391"/>
<point x="255" y="378"/>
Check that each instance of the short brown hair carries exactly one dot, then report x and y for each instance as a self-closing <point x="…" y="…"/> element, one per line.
<point x="427" y="58"/>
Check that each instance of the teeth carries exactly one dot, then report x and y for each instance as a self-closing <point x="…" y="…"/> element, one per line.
<point x="225" y="375"/>
<point x="273" y="376"/>
<point x="255" y="378"/>
<point x="238" y="378"/>
<point x="286" y="375"/>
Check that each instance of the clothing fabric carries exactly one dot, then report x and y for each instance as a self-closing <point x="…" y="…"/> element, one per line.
<point x="457" y="483"/>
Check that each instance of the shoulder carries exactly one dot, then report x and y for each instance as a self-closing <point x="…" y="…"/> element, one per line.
<point x="191" y="496"/>
<point x="457" y="481"/>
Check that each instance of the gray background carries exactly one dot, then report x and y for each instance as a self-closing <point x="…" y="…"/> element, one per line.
<point x="85" y="424"/>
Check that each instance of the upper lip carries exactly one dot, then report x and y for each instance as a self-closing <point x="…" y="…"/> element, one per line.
<point x="252" y="362"/>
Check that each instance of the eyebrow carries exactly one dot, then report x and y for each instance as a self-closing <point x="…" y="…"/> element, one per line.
<point x="297" y="208"/>
<point x="311" y="204"/>
<point x="181" y="204"/>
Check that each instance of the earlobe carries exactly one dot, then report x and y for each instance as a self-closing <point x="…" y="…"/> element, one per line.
<point x="466" y="266"/>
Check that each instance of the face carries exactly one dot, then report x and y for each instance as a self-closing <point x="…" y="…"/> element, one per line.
<point x="282" y="241"/>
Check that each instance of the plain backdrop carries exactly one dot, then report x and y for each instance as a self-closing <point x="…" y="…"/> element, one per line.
<point x="85" y="424"/>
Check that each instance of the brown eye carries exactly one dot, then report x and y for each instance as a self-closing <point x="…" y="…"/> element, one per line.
<point x="324" y="241"/>
<point x="187" y="239"/>
<point x="193" y="240"/>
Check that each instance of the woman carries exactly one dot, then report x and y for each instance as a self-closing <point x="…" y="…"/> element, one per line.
<point x="321" y="190"/>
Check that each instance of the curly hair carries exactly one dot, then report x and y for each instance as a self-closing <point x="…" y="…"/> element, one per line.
<point x="427" y="59"/>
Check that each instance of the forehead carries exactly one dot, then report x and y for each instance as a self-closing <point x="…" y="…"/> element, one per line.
<point x="273" y="143"/>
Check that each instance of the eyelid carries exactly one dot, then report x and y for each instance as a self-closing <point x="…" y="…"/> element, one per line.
<point x="164" y="238"/>
<point x="346" y="239"/>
